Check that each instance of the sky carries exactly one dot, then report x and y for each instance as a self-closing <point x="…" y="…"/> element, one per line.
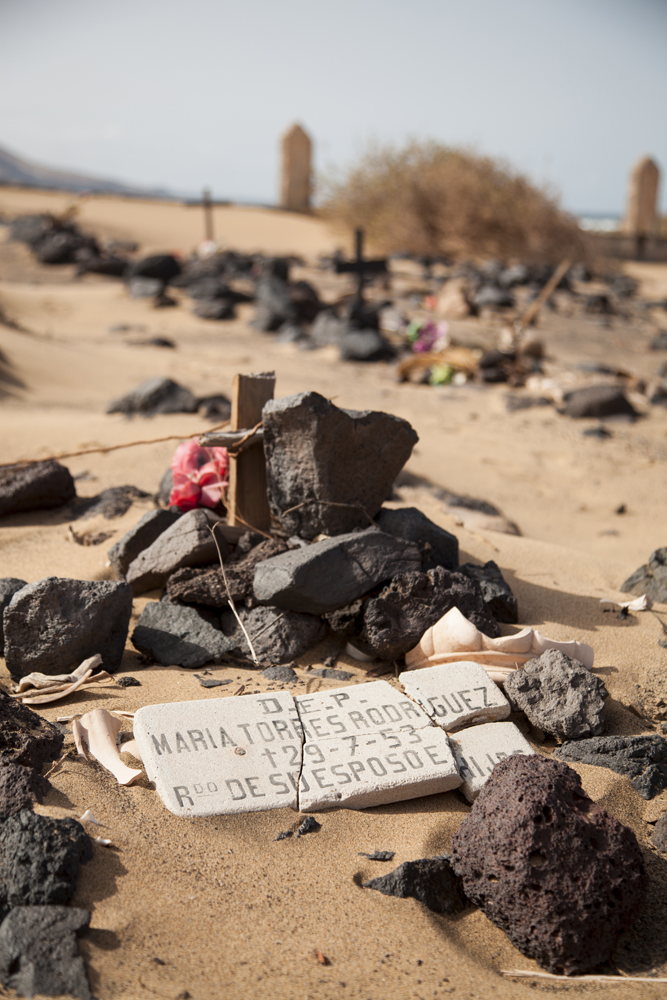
<point x="191" y="93"/>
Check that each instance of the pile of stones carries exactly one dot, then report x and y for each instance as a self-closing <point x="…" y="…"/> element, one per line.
<point x="337" y="562"/>
<point x="53" y="240"/>
<point x="39" y="865"/>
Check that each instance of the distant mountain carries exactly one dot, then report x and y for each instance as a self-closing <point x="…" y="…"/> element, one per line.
<point x="15" y="170"/>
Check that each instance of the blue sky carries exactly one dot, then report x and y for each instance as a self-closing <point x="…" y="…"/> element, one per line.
<point x="186" y="94"/>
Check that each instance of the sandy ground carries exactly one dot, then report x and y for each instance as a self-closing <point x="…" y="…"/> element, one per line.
<point x="215" y="908"/>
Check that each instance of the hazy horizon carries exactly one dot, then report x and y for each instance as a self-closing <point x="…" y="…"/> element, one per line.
<point x="160" y="95"/>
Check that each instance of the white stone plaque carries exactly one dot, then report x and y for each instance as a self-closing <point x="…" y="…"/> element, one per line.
<point x="456" y="694"/>
<point x="223" y="755"/>
<point x="477" y="751"/>
<point x="369" y="769"/>
<point x="358" y="710"/>
<point x="357" y="746"/>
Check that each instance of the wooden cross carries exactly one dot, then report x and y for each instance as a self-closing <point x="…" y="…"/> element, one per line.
<point x="359" y="266"/>
<point x="208" y="204"/>
<point x="247" y="500"/>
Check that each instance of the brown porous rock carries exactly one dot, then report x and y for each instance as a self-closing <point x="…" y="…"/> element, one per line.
<point x="548" y="865"/>
<point x="196" y="585"/>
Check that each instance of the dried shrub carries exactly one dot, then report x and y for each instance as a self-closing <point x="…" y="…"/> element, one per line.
<point x="429" y="199"/>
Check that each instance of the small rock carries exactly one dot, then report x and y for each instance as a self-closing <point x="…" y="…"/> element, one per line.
<point x="330" y="574"/>
<point x="659" y="836"/>
<point x="26" y="737"/>
<point x="165" y="488"/>
<point x="642" y="758"/>
<point x="39" y="486"/>
<point x="337" y="466"/>
<point x="365" y="345"/>
<point x="331" y="674"/>
<point x="278" y="636"/>
<point x="309" y="825"/>
<point x="219" y="309"/>
<point x="598" y="401"/>
<point x="558" y="695"/>
<point x="39" y="952"/>
<point x="347" y="620"/>
<point x="603" y="433"/>
<point x="429" y="880"/>
<point x="211" y="682"/>
<point x="188" y="542"/>
<point x="280" y="672"/>
<point x="500" y="602"/>
<point x="217" y="407"/>
<point x="378" y="855"/>
<point x="113" y="502"/>
<point x="559" y="875"/>
<point x="128" y="682"/>
<point x="20" y="787"/>
<point x="206" y="586"/>
<point x="437" y="546"/>
<point x="9" y="585"/>
<point x="144" y="288"/>
<point x="156" y="395"/>
<point x="172" y="634"/>
<point x="84" y="617"/>
<point x="39" y="859"/>
<point x="397" y="618"/>
<point x="140" y="537"/>
<point x="284" y="835"/>
<point x="650" y="579"/>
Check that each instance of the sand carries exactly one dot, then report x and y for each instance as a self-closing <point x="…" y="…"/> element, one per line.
<point x="216" y="908"/>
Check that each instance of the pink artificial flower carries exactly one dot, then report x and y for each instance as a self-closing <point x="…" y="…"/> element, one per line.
<point x="200" y="476"/>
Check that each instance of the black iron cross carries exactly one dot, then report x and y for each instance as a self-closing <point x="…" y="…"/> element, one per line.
<point x="359" y="266"/>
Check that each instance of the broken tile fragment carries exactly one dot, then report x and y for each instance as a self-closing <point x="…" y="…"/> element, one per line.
<point x="456" y="694"/>
<point x="222" y="755"/>
<point x="358" y="710"/>
<point x="479" y="749"/>
<point x="359" y="771"/>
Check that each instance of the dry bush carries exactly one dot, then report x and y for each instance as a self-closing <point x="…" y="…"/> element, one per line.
<point x="428" y="199"/>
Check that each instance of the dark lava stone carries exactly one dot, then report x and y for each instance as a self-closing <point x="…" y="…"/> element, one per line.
<point x="397" y="618"/>
<point x="642" y="758"/>
<point x="559" y="875"/>
<point x="113" y="502"/>
<point x="9" y="585"/>
<point x="39" y="859"/>
<point x="20" y="787"/>
<point x="348" y="620"/>
<point x="25" y="737"/>
<point x="195" y="585"/>
<point x="277" y="636"/>
<point x="39" y="952"/>
<point x="598" y="401"/>
<point x="659" y="837"/>
<point x="498" y="597"/>
<point x="39" y="486"/>
<point x="430" y="880"/>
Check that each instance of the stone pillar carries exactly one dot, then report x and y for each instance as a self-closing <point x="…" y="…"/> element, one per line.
<point x="295" y="184"/>
<point x="640" y="217"/>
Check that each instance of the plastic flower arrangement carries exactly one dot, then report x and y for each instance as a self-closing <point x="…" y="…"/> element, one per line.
<point x="425" y="335"/>
<point x="200" y="476"/>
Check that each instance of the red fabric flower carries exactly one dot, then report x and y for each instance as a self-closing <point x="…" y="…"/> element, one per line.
<point x="200" y="475"/>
